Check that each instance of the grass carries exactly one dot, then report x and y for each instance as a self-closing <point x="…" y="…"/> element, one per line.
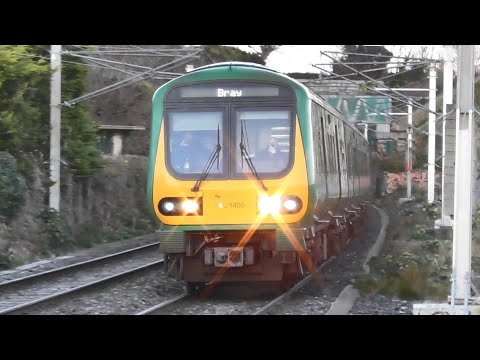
<point x="418" y="263"/>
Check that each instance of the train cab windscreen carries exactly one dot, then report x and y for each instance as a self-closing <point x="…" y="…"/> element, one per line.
<point x="266" y="137"/>
<point x="234" y="129"/>
<point x="192" y="139"/>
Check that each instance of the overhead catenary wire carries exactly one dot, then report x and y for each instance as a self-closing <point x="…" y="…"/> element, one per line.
<point x="114" y="62"/>
<point x="132" y="79"/>
<point x="418" y="129"/>
<point x="389" y="116"/>
<point x="420" y="106"/>
<point x="373" y="70"/>
<point x="377" y="55"/>
<point x="376" y="91"/>
<point x="404" y="63"/>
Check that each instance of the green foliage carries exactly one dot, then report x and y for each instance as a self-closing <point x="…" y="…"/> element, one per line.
<point x="477" y="94"/>
<point x="432" y="210"/>
<point x="56" y="233"/>
<point x="79" y="131"/>
<point x="379" y="54"/>
<point x="408" y="74"/>
<point x="421" y="147"/>
<point x="80" y="141"/>
<point x="412" y="282"/>
<point x="145" y="91"/>
<point x="299" y="75"/>
<point x="476" y="225"/>
<point x="410" y="275"/>
<point x="419" y="233"/>
<point x="22" y="75"/>
<point x="219" y="53"/>
<point x="394" y="163"/>
<point x="405" y="276"/>
<point x="5" y="262"/>
<point x="475" y="261"/>
<point x="390" y="266"/>
<point x="9" y="261"/>
<point x="366" y="283"/>
<point x="25" y="109"/>
<point x="91" y="234"/>
<point x="12" y="188"/>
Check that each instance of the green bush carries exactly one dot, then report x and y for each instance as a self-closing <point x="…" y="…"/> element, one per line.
<point x="12" y="188"/>
<point x="393" y="164"/>
<point x="55" y="231"/>
<point x="8" y="262"/>
<point x="25" y="111"/>
<point x="89" y="235"/>
<point x="5" y="262"/>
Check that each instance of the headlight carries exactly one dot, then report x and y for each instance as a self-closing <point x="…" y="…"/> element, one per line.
<point x="189" y="206"/>
<point x="168" y="206"/>
<point x="290" y="205"/>
<point x="287" y="204"/>
<point x="269" y="205"/>
<point x="180" y="206"/>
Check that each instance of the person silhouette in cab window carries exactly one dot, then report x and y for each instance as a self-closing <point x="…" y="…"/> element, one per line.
<point x="276" y="159"/>
<point x="190" y="155"/>
<point x="182" y="152"/>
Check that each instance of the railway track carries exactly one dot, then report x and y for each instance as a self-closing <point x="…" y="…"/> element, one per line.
<point x="182" y="304"/>
<point x="132" y="295"/>
<point x="20" y="294"/>
<point x="312" y="295"/>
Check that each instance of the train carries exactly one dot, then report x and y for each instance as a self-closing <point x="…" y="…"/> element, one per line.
<point x="252" y="176"/>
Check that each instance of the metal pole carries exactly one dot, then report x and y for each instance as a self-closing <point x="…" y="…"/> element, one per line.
<point x="447" y="99"/>
<point x="465" y="143"/>
<point x="431" y="133"/>
<point x="409" y="150"/>
<point x="366" y="131"/>
<point x="55" y="116"/>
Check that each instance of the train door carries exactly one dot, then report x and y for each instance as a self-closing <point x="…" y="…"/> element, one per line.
<point x="357" y="164"/>
<point x="322" y="138"/>
<point x="348" y="148"/>
<point x="342" y="159"/>
<point x="333" y="176"/>
<point x="321" y="183"/>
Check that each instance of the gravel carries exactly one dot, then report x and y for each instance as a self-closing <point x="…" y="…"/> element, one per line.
<point x="129" y="296"/>
<point x="76" y="257"/>
<point x="141" y="292"/>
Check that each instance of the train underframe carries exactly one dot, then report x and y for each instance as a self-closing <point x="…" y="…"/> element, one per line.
<point x="274" y="255"/>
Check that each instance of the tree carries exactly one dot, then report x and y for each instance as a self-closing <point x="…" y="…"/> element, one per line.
<point x="25" y="109"/>
<point x="264" y="51"/>
<point x="413" y="69"/>
<point x="21" y="77"/>
<point x="219" y="53"/>
<point x="354" y="56"/>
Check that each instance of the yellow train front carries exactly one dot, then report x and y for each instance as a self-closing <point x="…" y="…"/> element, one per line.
<point x="242" y="181"/>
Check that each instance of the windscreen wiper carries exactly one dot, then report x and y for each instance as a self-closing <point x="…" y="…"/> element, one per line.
<point x="215" y="155"/>
<point x="246" y="155"/>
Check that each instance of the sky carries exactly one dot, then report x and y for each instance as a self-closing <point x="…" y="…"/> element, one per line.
<point x="299" y="58"/>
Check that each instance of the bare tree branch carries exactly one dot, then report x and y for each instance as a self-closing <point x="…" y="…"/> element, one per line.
<point x="264" y="50"/>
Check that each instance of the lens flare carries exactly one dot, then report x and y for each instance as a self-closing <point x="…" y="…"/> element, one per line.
<point x="189" y="206"/>
<point x="269" y="205"/>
